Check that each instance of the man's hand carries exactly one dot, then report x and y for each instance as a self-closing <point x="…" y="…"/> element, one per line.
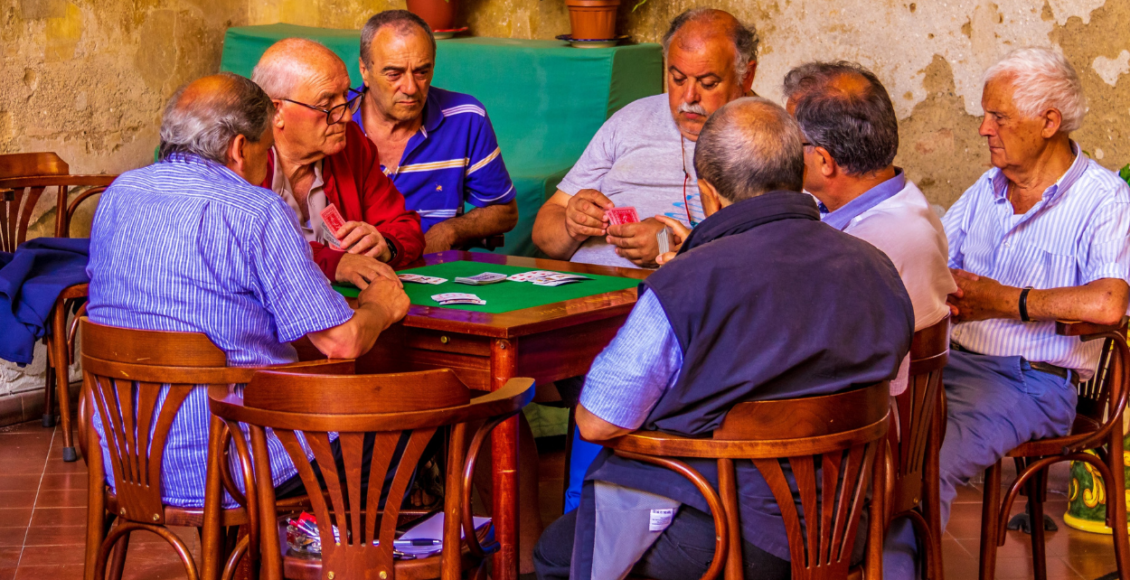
<point x="679" y="233"/>
<point x="363" y="239"/>
<point x="636" y="241"/>
<point x="361" y="270"/>
<point x="584" y="215"/>
<point x="439" y="238"/>
<point x="386" y="295"/>
<point x="981" y="298"/>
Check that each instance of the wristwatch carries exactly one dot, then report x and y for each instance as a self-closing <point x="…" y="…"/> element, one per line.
<point x="391" y="251"/>
<point x="1024" y="304"/>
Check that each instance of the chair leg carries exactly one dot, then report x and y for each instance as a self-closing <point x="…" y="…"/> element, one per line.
<point x="60" y="354"/>
<point x="989" y="508"/>
<point x="95" y="531"/>
<point x="1116" y="488"/>
<point x="1036" y="511"/>
<point x="49" y="393"/>
<point x="118" y="558"/>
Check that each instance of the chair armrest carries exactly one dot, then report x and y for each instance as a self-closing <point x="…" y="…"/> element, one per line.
<point x="330" y="366"/>
<point x="1088" y="330"/>
<point x="469" y="535"/>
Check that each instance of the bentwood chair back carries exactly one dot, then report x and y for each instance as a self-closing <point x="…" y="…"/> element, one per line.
<point x="24" y="179"/>
<point x="915" y="437"/>
<point x="393" y="410"/>
<point x="831" y="444"/>
<point x="124" y="374"/>
<point x="1097" y="428"/>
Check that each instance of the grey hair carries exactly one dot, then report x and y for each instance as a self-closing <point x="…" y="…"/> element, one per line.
<point x="859" y="129"/>
<point x="1043" y="79"/>
<point x="285" y="65"/>
<point x="744" y="37"/>
<point x="749" y="147"/>
<point x="205" y="125"/>
<point x="401" y="20"/>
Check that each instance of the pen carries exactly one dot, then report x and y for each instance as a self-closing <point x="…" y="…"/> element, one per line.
<point x="417" y="542"/>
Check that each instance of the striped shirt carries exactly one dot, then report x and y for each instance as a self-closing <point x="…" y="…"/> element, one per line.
<point x="453" y="159"/>
<point x="1076" y="234"/>
<point x="187" y="245"/>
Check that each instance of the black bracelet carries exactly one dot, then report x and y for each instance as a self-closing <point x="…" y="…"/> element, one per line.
<point x="1024" y="305"/>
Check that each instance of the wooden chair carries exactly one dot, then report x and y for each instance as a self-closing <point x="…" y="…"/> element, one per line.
<point x="123" y="374"/>
<point x="24" y="178"/>
<point x="1097" y="428"/>
<point x="386" y="407"/>
<point x="916" y="433"/>
<point x="831" y="438"/>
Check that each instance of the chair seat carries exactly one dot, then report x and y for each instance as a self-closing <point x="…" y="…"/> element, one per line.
<point x="1083" y="428"/>
<point x="76" y="291"/>
<point x="187" y="517"/>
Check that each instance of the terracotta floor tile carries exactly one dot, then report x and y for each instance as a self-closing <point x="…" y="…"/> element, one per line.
<point x="7" y="573"/>
<point x="57" y="465"/>
<point x="56" y="535"/>
<point x="19" y="482"/>
<point x="12" y="537"/>
<point x="968" y="494"/>
<point x="28" y="427"/>
<point x="68" y="516"/>
<point x="22" y="465"/>
<point x="51" y="556"/>
<point x="65" y="572"/>
<point x="59" y="481"/>
<point x="18" y="499"/>
<point x="9" y="557"/>
<point x="15" y="517"/>
<point x="61" y="498"/>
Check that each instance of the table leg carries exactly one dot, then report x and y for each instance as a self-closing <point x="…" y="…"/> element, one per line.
<point x="504" y="456"/>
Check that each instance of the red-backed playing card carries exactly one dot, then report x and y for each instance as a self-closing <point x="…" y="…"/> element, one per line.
<point x="333" y="219"/>
<point x="622" y="215"/>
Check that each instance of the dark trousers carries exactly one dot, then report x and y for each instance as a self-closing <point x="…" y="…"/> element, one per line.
<point x="683" y="551"/>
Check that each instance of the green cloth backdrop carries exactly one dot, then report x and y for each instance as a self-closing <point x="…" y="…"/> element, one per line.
<point x="545" y="99"/>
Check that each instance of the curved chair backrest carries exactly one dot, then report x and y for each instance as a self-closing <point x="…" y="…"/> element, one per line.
<point x="23" y="179"/>
<point x="915" y="407"/>
<point x="400" y="413"/>
<point x="1105" y="387"/>
<point x="827" y="442"/>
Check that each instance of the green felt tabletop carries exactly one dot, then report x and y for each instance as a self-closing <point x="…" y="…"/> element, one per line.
<point x="504" y="296"/>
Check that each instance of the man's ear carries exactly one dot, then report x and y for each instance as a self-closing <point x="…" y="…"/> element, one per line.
<point x="361" y="65"/>
<point x="750" y="73"/>
<point x="828" y="167"/>
<point x="1053" y="120"/>
<point x="237" y="161"/>
<point x="711" y="200"/>
<point x="277" y="122"/>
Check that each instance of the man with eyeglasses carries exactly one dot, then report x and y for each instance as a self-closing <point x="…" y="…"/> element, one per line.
<point x="437" y="146"/>
<point x="321" y="158"/>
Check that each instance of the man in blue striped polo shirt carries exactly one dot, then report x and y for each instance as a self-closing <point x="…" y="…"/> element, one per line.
<point x="1040" y="237"/>
<point x="437" y="146"/>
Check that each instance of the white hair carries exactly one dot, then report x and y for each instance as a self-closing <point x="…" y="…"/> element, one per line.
<point x="1042" y="79"/>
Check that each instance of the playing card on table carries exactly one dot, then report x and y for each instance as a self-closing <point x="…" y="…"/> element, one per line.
<point x="457" y="298"/>
<point x="418" y="279"/>
<point x="480" y="279"/>
<point x="333" y="219"/>
<point x="558" y="282"/>
<point x="542" y="275"/>
<point x="621" y="215"/>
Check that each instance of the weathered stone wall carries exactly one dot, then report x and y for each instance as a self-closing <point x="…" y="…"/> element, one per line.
<point x="87" y="78"/>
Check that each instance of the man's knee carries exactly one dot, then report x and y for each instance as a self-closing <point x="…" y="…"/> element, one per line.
<point x="554" y="550"/>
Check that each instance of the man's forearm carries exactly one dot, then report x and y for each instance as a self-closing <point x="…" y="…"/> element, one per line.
<point x="550" y="234"/>
<point x="356" y="336"/>
<point x="1103" y="301"/>
<point x="481" y="222"/>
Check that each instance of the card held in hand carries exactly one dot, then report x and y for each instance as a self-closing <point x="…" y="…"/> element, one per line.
<point x="622" y="215"/>
<point x="333" y="219"/>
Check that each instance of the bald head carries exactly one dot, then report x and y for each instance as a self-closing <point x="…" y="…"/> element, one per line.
<point x="291" y="64"/>
<point x="694" y="30"/>
<point x="204" y="116"/>
<point x="749" y="147"/>
<point x="844" y="108"/>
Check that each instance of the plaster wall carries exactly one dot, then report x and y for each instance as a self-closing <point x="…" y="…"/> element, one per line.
<point x="87" y="78"/>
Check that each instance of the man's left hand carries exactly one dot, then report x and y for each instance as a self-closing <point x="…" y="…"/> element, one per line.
<point x="363" y="238"/>
<point x="439" y="238"/>
<point x="981" y="298"/>
<point x="636" y="241"/>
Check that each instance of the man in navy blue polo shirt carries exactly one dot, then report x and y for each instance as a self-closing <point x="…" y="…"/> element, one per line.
<point x="437" y="146"/>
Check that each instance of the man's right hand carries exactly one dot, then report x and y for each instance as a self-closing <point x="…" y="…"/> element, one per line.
<point x="386" y="295"/>
<point x="360" y="270"/>
<point x="584" y="215"/>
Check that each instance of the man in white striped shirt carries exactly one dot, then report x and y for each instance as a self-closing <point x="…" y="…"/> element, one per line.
<point x="1039" y="238"/>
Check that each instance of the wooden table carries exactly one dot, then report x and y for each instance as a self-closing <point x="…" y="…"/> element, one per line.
<point x="548" y="343"/>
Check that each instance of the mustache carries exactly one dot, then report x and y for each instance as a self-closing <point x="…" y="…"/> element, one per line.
<point x="692" y="108"/>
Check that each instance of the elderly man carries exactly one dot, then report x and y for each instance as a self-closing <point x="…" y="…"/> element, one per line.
<point x="1040" y="237"/>
<point x="321" y="158"/>
<point x="223" y="257"/>
<point x="437" y="146"/>
<point x="643" y="155"/>
<point x="672" y="367"/>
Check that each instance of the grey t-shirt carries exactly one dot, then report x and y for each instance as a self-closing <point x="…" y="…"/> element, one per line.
<point x="635" y="160"/>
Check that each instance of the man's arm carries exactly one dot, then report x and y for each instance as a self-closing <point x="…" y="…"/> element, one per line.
<point x="1103" y="301"/>
<point x="566" y="221"/>
<point x="379" y="305"/>
<point x="594" y="428"/>
<point x="481" y="222"/>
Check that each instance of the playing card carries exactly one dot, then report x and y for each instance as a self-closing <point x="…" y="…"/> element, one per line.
<point x="333" y="219"/>
<point x="532" y="275"/>
<point x="664" y="240"/>
<point x="457" y="298"/>
<point x="418" y="279"/>
<point x="480" y="279"/>
<point x="556" y="282"/>
<point x="622" y="215"/>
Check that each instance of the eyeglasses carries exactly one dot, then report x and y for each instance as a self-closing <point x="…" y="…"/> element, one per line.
<point x="337" y="114"/>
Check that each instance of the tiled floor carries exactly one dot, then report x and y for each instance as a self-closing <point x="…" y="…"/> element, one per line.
<point x="43" y="511"/>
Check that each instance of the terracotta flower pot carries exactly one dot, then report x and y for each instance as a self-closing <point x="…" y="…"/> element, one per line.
<point x="439" y="14"/>
<point x="593" y="19"/>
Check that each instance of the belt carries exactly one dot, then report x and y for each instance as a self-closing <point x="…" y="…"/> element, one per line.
<point x="1043" y="367"/>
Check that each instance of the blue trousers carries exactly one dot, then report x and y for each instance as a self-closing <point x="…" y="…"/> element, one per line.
<point x="994" y="404"/>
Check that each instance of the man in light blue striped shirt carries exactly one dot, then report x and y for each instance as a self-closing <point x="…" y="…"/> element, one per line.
<point x="188" y="244"/>
<point x="1039" y="238"/>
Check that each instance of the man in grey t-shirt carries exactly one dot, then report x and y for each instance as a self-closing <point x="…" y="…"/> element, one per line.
<point x="644" y="155"/>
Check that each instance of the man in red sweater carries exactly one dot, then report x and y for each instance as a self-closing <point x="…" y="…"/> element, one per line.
<point x="322" y="158"/>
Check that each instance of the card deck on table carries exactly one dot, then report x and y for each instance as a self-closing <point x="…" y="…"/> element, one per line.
<point x="457" y="298"/>
<point x="333" y="219"/>
<point x="536" y="276"/>
<point x="480" y="279"/>
<point x="622" y="215"/>
<point x="418" y="279"/>
<point x="558" y="282"/>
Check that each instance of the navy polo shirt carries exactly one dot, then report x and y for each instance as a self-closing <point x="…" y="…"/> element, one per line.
<point x="453" y="159"/>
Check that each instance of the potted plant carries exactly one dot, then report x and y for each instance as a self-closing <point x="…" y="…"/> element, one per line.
<point x="593" y="19"/>
<point x="439" y="14"/>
